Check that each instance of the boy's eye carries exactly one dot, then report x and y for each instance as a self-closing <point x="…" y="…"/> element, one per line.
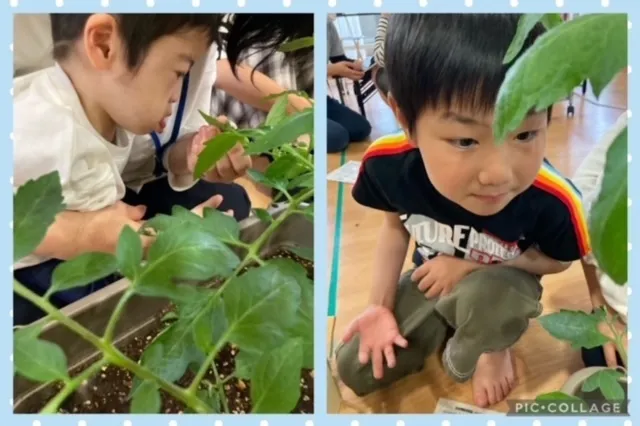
<point x="463" y="143"/>
<point x="526" y="136"/>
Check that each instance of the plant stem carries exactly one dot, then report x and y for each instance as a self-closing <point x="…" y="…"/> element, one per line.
<point x="617" y="339"/>
<point x="220" y="387"/>
<point x="115" y="316"/>
<point x="111" y="353"/>
<point x="54" y="405"/>
<point x="290" y="150"/>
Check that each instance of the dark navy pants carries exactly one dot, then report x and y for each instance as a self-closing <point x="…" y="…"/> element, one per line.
<point x="344" y="125"/>
<point x="159" y="199"/>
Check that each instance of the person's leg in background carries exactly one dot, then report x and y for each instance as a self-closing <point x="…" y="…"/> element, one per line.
<point x="356" y="125"/>
<point x="337" y="137"/>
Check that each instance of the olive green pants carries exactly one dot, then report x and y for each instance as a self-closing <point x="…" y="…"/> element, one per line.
<point x="487" y="311"/>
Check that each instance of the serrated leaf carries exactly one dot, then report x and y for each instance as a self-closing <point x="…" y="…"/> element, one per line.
<point x="209" y="328"/>
<point x="221" y="226"/>
<point x="297" y="44"/>
<point x="35" y="207"/>
<point x="263" y="215"/>
<point x="129" y="252"/>
<point x="82" y="270"/>
<point x="576" y="327"/>
<point x="287" y="131"/>
<point x="277" y="112"/>
<point x="38" y="360"/>
<point x="607" y="382"/>
<point x="282" y="167"/>
<point x="146" y="399"/>
<point x="185" y="252"/>
<point x="263" y="179"/>
<point x="262" y="303"/>
<point x="275" y="382"/>
<point x="214" y="151"/>
<point x="608" y="216"/>
<point x="592" y="47"/>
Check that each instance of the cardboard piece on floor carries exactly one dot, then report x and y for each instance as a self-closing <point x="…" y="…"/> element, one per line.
<point x="347" y="173"/>
<point x="447" y="406"/>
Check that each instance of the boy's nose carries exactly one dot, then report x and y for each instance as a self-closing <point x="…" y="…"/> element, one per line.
<point x="496" y="171"/>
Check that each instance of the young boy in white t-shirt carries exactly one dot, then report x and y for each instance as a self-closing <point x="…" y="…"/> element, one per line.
<point x="115" y="77"/>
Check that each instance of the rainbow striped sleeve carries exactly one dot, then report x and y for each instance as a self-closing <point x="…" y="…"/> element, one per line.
<point x="388" y="145"/>
<point x="549" y="180"/>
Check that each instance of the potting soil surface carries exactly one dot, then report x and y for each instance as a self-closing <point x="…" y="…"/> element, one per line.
<point x="109" y="391"/>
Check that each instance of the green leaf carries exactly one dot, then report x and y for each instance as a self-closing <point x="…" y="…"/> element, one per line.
<point x="221" y="226"/>
<point x="211" y="398"/>
<point x="169" y="316"/>
<point x="553" y="399"/>
<point x="129" y="253"/>
<point x="608" y="216"/>
<point x="525" y="25"/>
<point x="287" y="131"/>
<point x="212" y="121"/>
<point x="278" y="111"/>
<point x="285" y="93"/>
<point x="282" y="168"/>
<point x="308" y="212"/>
<point x="146" y="399"/>
<point x="210" y="327"/>
<point x="246" y="362"/>
<point x="36" y="359"/>
<point x="82" y="270"/>
<point x="303" y="252"/>
<point x="258" y="177"/>
<point x="297" y="44"/>
<point x="607" y="382"/>
<point x="303" y="328"/>
<point x="551" y="20"/>
<point x="590" y="47"/>
<point x="263" y="215"/>
<point x="213" y="152"/>
<point x="186" y="252"/>
<point x="261" y="303"/>
<point x="275" y="383"/>
<point x="302" y="181"/>
<point x="576" y="327"/>
<point x="35" y="206"/>
<point x="170" y="354"/>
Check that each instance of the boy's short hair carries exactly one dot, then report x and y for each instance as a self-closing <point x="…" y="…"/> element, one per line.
<point x="444" y="60"/>
<point x="138" y="31"/>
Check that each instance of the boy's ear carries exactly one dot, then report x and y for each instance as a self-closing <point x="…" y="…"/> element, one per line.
<point x="399" y="115"/>
<point x="101" y="40"/>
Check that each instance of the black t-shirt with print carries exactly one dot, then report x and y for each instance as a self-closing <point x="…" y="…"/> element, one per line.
<point x="548" y="215"/>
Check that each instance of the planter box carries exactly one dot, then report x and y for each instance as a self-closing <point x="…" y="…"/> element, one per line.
<point x="94" y="311"/>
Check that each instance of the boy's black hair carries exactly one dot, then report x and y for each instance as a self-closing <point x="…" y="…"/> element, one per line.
<point x="138" y="31"/>
<point x="445" y="60"/>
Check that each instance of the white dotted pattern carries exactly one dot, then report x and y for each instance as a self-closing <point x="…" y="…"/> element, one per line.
<point x="128" y="422"/>
<point x="537" y="423"/>
<point x="82" y="423"/>
<point x="423" y="3"/>
<point x="11" y="92"/>
<point x="11" y="135"/>
<point x="628" y="158"/>
<point x="629" y="113"/>
<point x="491" y="423"/>
<point x="218" y="423"/>
<point x="355" y="423"/>
<point x="195" y="3"/>
<point x="377" y="3"/>
<point x="308" y="423"/>
<point x="151" y="3"/>
<point x="105" y="3"/>
<point x="627" y="423"/>
<point x="468" y="3"/>
<point x="242" y="3"/>
<point x="13" y="3"/>
<point x="560" y="3"/>
<point x="629" y="246"/>
<point x="11" y="402"/>
<point x="173" y="423"/>
<point x="629" y="25"/>
<point x="605" y="3"/>
<point x="59" y="3"/>
<point x="11" y="358"/>
<point x="629" y="69"/>
<point x="628" y="335"/>
<point x="582" y="423"/>
<point x="11" y="47"/>
<point x="36" y="423"/>
<point x="332" y="3"/>
<point x="446" y="423"/>
<point x="514" y="3"/>
<point x="400" y="423"/>
<point x="629" y="202"/>
<point x="10" y="313"/>
<point x="264" y="423"/>
<point x="629" y="380"/>
<point x="11" y="225"/>
<point x="286" y="3"/>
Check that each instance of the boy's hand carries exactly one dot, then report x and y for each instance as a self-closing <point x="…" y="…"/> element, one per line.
<point x="438" y="276"/>
<point x="378" y="332"/>
<point x="232" y="166"/>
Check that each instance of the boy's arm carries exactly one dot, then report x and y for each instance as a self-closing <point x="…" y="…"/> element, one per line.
<point x="537" y="263"/>
<point x="391" y="251"/>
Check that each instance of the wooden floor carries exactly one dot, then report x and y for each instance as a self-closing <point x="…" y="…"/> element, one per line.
<point x="542" y="363"/>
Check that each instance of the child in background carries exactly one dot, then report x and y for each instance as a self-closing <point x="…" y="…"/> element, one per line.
<point x="604" y="292"/>
<point x="488" y="219"/>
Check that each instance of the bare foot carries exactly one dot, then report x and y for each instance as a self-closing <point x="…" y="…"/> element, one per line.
<point x="493" y="379"/>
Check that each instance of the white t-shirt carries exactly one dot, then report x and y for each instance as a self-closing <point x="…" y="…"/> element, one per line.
<point x="588" y="179"/>
<point x="51" y="132"/>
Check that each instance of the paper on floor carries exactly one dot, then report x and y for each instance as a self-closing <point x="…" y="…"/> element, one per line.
<point x="348" y="173"/>
<point x="447" y="406"/>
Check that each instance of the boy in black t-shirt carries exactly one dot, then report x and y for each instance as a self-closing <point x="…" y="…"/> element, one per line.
<point x="488" y="218"/>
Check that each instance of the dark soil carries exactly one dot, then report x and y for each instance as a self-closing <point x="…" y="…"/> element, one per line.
<point x="109" y="391"/>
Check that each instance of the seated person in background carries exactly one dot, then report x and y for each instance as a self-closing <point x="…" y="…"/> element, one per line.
<point x="488" y="219"/>
<point x="343" y="124"/>
<point x="604" y="292"/>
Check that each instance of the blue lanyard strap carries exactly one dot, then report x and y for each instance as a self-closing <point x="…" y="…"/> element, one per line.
<point x="160" y="149"/>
